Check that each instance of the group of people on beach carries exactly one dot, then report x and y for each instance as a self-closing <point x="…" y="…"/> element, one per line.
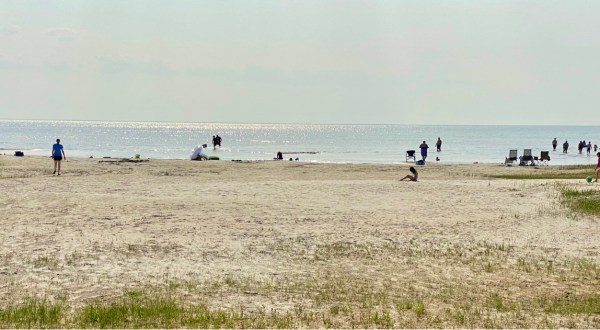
<point x="414" y="175"/>
<point x="580" y="146"/>
<point x="423" y="146"/>
<point x="58" y="154"/>
<point x="197" y="153"/>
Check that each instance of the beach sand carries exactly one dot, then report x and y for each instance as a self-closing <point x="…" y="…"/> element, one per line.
<point x="287" y="235"/>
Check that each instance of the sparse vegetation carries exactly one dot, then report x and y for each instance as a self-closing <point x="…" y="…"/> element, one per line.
<point x="575" y="167"/>
<point x="581" y="201"/>
<point x="544" y="176"/>
<point x="342" y="299"/>
<point x="491" y="255"/>
<point x="32" y="313"/>
<point x="550" y="173"/>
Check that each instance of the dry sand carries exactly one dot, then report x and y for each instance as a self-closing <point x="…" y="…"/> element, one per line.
<point x="105" y="227"/>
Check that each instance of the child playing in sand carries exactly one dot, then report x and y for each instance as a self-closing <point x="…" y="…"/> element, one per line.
<point x="415" y="175"/>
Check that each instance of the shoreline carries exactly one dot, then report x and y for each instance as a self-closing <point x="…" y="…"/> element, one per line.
<point x="428" y="163"/>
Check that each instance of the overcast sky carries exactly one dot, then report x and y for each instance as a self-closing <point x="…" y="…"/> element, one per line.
<point x="400" y="62"/>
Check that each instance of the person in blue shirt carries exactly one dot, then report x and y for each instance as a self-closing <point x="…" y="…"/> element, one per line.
<point x="58" y="154"/>
<point x="424" y="148"/>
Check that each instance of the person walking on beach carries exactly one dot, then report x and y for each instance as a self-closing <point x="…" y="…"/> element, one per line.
<point x="424" y="148"/>
<point x="58" y="154"/>
<point x="438" y="145"/>
<point x="415" y="175"/>
<point x="554" y="143"/>
<point x="565" y="146"/>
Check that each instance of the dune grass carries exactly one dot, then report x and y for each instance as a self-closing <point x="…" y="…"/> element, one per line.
<point x="581" y="201"/>
<point x="550" y="173"/>
<point x="575" y="167"/>
<point x="32" y="313"/>
<point x="486" y="285"/>
<point x="545" y="175"/>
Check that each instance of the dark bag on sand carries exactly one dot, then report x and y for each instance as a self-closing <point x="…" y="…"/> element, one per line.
<point x="19" y="153"/>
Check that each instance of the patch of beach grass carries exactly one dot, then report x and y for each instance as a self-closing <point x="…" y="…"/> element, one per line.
<point x="134" y="311"/>
<point x="575" y="167"/>
<point x="571" y="304"/>
<point x="585" y="201"/>
<point x="344" y="302"/>
<point x="33" y="313"/>
<point x="544" y="176"/>
<point x="50" y="262"/>
<point x="383" y="284"/>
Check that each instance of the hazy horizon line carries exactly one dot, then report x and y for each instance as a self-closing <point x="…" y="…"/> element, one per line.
<point x="286" y="123"/>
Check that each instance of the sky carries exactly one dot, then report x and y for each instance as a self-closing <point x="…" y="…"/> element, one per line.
<point x="302" y="61"/>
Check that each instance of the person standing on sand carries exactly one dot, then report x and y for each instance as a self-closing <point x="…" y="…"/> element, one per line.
<point x="598" y="167"/>
<point x="58" y="154"/>
<point x="413" y="177"/>
<point x="554" y="143"/>
<point x="424" y="148"/>
<point x="438" y="145"/>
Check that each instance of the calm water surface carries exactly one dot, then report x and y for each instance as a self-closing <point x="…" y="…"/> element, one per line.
<point x="330" y="143"/>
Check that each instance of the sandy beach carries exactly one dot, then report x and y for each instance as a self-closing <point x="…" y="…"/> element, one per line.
<point x="336" y="240"/>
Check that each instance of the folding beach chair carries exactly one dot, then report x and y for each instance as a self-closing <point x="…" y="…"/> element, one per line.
<point x="527" y="158"/>
<point x="512" y="157"/>
<point x="544" y="158"/>
<point x="410" y="154"/>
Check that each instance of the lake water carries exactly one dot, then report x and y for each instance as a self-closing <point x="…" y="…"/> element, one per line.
<point x="314" y="143"/>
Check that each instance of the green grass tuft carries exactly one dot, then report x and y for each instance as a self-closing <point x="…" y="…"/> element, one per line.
<point x="575" y="167"/>
<point x="581" y="201"/>
<point x="135" y="310"/>
<point x="32" y="314"/>
<point x="544" y="176"/>
<point x="585" y="304"/>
